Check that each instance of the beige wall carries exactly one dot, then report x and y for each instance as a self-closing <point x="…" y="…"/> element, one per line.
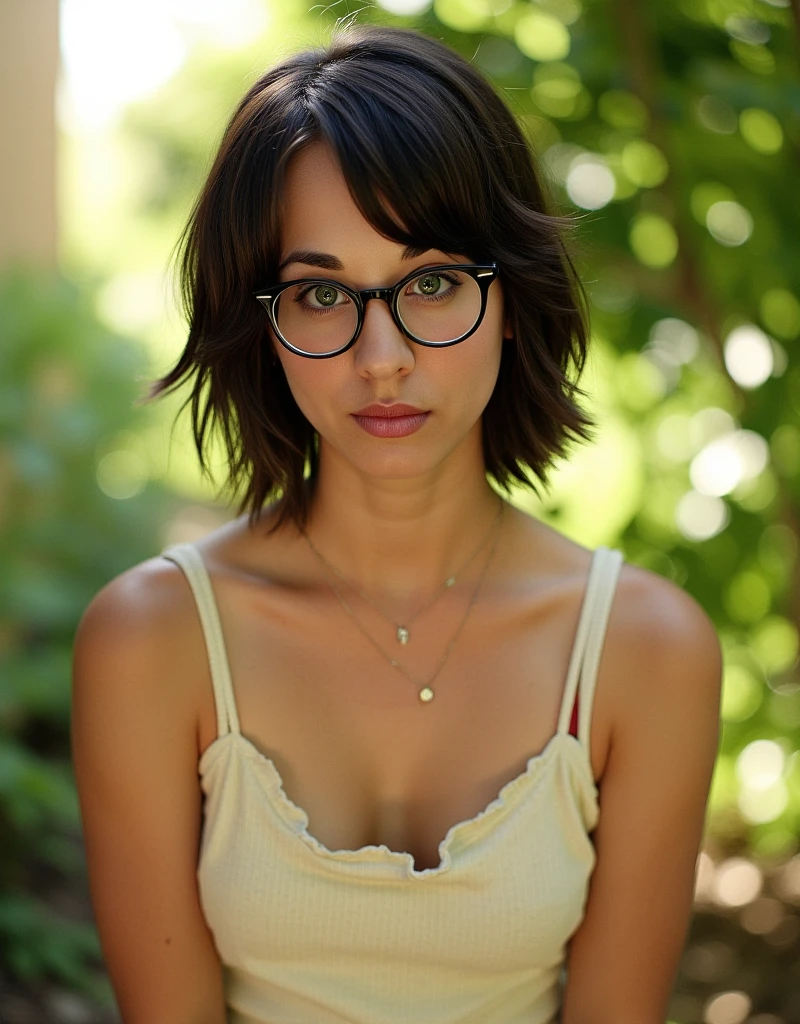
<point x="28" y="66"/>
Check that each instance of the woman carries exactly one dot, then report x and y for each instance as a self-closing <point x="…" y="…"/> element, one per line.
<point x="341" y="761"/>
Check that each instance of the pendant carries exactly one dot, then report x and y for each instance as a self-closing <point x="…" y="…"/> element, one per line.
<point x="426" y="694"/>
<point x="403" y="635"/>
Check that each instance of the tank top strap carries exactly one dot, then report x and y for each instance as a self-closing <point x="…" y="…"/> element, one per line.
<point x="588" y="645"/>
<point x="187" y="556"/>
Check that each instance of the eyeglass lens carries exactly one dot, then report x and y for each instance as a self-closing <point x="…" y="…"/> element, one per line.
<point x="438" y="307"/>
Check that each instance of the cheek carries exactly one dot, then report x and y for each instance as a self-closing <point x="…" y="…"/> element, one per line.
<point x="475" y="370"/>
<point x="314" y="384"/>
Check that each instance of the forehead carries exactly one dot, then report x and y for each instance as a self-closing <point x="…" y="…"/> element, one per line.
<point x="318" y="211"/>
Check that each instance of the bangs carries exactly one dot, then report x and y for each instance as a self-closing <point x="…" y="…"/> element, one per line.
<point x="418" y="180"/>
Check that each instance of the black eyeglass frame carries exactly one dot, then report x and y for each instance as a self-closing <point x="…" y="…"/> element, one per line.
<point x="483" y="273"/>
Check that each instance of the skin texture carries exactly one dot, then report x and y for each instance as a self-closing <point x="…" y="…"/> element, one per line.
<point x="355" y="748"/>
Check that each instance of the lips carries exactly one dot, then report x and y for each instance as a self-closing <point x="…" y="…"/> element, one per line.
<point x="397" y="420"/>
<point x="389" y="411"/>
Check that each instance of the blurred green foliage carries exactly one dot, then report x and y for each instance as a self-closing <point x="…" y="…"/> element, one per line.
<point x="67" y="387"/>
<point x="672" y="129"/>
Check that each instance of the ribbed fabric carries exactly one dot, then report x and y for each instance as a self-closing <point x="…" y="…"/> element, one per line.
<point x="308" y="935"/>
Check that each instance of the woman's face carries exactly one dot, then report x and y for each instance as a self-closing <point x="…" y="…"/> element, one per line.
<point x="323" y="229"/>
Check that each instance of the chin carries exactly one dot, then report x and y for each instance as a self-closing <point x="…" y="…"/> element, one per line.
<point x="406" y="459"/>
<point x="394" y="465"/>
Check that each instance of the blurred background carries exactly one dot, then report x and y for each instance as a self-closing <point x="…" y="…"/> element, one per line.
<point x="672" y="129"/>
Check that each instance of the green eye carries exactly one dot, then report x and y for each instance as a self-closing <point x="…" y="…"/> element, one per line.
<point x="429" y="285"/>
<point x="325" y="295"/>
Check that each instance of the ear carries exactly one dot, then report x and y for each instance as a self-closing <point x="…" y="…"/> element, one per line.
<point x="508" y="330"/>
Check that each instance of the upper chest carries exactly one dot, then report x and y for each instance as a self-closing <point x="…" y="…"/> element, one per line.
<point x="356" y="750"/>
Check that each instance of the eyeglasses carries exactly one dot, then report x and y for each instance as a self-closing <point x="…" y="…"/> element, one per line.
<point x="437" y="306"/>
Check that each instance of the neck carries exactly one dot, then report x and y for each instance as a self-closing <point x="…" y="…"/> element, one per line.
<point x="400" y="537"/>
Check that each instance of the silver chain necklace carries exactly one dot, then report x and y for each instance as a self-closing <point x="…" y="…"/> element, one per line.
<point x="425" y="690"/>
<point x="403" y="630"/>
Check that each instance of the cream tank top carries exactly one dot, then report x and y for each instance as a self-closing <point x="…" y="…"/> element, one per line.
<point x="308" y="935"/>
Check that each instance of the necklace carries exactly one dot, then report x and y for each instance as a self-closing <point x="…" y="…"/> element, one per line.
<point x="425" y="690"/>
<point x="402" y="630"/>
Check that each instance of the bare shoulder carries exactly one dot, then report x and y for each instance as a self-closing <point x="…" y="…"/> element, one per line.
<point x="141" y="629"/>
<point x="148" y="595"/>
<point x="142" y="603"/>
<point x="661" y="624"/>
<point x="665" y="660"/>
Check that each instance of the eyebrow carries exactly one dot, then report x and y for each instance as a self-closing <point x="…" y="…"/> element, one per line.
<point x="329" y="262"/>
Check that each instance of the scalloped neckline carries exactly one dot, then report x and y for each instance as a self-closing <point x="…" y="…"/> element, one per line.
<point x="297" y="819"/>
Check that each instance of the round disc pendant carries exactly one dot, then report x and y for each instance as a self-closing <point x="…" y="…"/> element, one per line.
<point x="426" y="694"/>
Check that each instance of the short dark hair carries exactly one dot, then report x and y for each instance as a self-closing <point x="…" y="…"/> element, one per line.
<point x="433" y="158"/>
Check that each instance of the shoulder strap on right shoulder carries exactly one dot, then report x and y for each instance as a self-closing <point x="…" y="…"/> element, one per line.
<point x="607" y="587"/>
<point x="188" y="558"/>
<point x="587" y="647"/>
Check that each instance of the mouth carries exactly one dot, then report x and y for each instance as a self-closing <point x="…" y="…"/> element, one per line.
<point x="391" y="420"/>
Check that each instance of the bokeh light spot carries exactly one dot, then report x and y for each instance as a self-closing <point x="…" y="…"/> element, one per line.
<point x="775" y="643"/>
<point x="747" y="597"/>
<point x="122" y="474"/>
<point x="622" y="110"/>
<point x="780" y="312"/>
<point x="748" y="356"/>
<point x="405" y="7"/>
<point x="742" y="694"/>
<point x="728" y="462"/>
<point x="653" y="240"/>
<point x="761" y="764"/>
<point x="737" y="881"/>
<point x="716" y="115"/>
<point x="701" y="516"/>
<point x="762" y="916"/>
<point x="748" y="30"/>
<point x="729" y="223"/>
<point x="590" y="183"/>
<point x="463" y="15"/>
<point x="557" y="90"/>
<point x="727" y="1008"/>
<point x="760" y="806"/>
<point x="542" y="36"/>
<point x="644" y="164"/>
<point x="761" y="130"/>
<point x="678" y="340"/>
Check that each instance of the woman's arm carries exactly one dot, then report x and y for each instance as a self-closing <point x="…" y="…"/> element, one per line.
<point x="665" y="712"/>
<point x="135" y="680"/>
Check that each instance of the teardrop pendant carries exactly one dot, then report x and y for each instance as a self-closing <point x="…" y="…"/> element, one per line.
<point x="426" y="694"/>
<point x="403" y="635"/>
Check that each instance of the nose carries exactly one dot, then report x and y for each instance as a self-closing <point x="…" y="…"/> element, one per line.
<point x="382" y="350"/>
